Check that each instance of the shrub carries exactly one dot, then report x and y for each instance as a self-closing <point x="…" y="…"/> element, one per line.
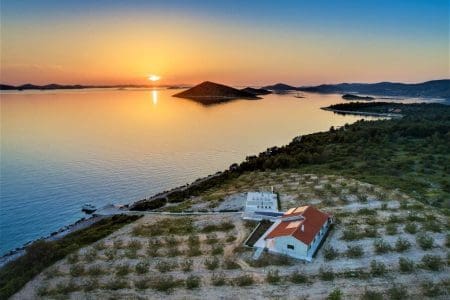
<point x="432" y="262"/>
<point x="425" y="242"/>
<point x="173" y="251"/>
<point x="116" y="284"/>
<point x="211" y="263"/>
<point x="230" y="238"/>
<point x="402" y="245"/>
<point x="371" y="295"/>
<point x="134" y="245"/>
<point x="381" y="246"/>
<point x="64" y="288"/>
<point x="394" y="219"/>
<point x="405" y="265"/>
<point x="186" y="265"/>
<point x="142" y="284"/>
<point x="243" y="280"/>
<point x="377" y="269"/>
<point x="349" y="234"/>
<point x="122" y="270"/>
<point x="142" y="267"/>
<point x="52" y="272"/>
<point x="391" y="229"/>
<point x="230" y="264"/>
<point x="366" y="212"/>
<point x="431" y="289"/>
<point x="73" y="258"/>
<point x="77" y="270"/>
<point x="218" y="279"/>
<point x="131" y="254"/>
<point x="90" y="285"/>
<point x="164" y="283"/>
<point x="326" y="273"/>
<point x="273" y="277"/>
<point x="297" y="277"/>
<point x="90" y="255"/>
<point x="217" y="250"/>
<point x="194" y="251"/>
<point x="171" y="241"/>
<point x="370" y="232"/>
<point x="100" y="246"/>
<point x="118" y="244"/>
<point x="211" y="239"/>
<point x="192" y="282"/>
<point x="354" y="251"/>
<point x="397" y="292"/>
<point x="336" y="294"/>
<point x="432" y="226"/>
<point x="95" y="270"/>
<point x="110" y="254"/>
<point x="224" y="226"/>
<point x="411" y="228"/>
<point x="165" y="266"/>
<point x="330" y="253"/>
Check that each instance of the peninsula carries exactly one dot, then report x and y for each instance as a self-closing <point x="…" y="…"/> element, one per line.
<point x="356" y="97"/>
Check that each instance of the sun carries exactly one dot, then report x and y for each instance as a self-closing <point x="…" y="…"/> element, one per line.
<point x="154" y="77"/>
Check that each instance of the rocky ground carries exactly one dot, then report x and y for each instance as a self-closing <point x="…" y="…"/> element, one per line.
<point x="384" y="243"/>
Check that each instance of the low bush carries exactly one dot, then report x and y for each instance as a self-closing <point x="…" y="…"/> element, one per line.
<point x="230" y="238"/>
<point x="110" y="253"/>
<point x="432" y="262"/>
<point x="224" y="226"/>
<point x="77" y="270"/>
<point x="391" y="229"/>
<point x="211" y="239"/>
<point x="100" y="246"/>
<point x="336" y="294"/>
<point x="355" y="251"/>
<point x="142" y="284"/>
<point x="330" y="253"/>
<point x="131" y="254"/>
<point x="90" y="255"/>
<point x="134" y="245"/>
<point x="371" y="295"/>
<point x="273" y="277"/>
<point x="171" y="241"/>
<point x="164" y="283"/>
<point x="411" y="228"/>
<point x="217" y="250"/>
<point x="424" y="241"/>
<point x="243" y="280"/>
<point x="381" y="246"/>
<point x="297" y="277"/>
<point x="431" y="289"/>
<point x="432" y="226"/>
<point x="192" y="282"/>
<point x="326" y="273"/>
<point x="397" y="292"/>
<point x="142" y="267"/>
<point x="165" y="266"/>
<point x="73" y="258"/>
<point x="122" y="270"/>
<point x="90" y="285"/>
<point x="267" y="259"/>
<point x="218" y="279"/>
<point x="211" y="263"/>
<point x="186" y="265"/>
<point x="350" y="234"/>
<point x="116" y="284"/>
<point x="377" y="269"/>
<point x="401" y="245"/>
<point x="405" y="265"/>
<point x="95" y="270"/>
<point x="64" y="288"/>
<point x="230" y="264"/>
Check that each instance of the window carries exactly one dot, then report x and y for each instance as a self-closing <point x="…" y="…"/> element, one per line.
<point x="290" y="247"/>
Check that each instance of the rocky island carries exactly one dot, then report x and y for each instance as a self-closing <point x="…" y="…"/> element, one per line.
<point x="256" y="91"/>
<point x="210" y="93"/>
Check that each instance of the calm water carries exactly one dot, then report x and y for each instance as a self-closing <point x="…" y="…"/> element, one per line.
<point x="60" y="149"/>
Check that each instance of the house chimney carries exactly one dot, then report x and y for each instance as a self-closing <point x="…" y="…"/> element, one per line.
<point x="303" y="228"/>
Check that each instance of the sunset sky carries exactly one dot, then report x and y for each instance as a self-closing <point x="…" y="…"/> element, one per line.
<point x="256" y="43"/>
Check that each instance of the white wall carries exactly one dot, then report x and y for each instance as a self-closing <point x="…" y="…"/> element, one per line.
<point x="279" y="245"/>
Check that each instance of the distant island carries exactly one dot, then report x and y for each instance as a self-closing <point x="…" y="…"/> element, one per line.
<point x="54" y="86"/>
<point x="429" y="89"/>
<point x="256" y="91"/>
<point x="356" y="97"/>
<point x="209" y="92"/>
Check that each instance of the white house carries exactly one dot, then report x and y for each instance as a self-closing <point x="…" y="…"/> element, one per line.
<point x="297" y="233"/>
<point x="260" y="202"/>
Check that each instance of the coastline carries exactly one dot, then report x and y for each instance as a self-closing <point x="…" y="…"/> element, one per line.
<point x="362" y="113"/>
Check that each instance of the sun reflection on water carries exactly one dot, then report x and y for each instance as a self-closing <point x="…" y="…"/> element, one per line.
<point x="155" y="97"/>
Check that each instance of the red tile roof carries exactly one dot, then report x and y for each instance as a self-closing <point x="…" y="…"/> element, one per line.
<point x="310" y="218"/>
